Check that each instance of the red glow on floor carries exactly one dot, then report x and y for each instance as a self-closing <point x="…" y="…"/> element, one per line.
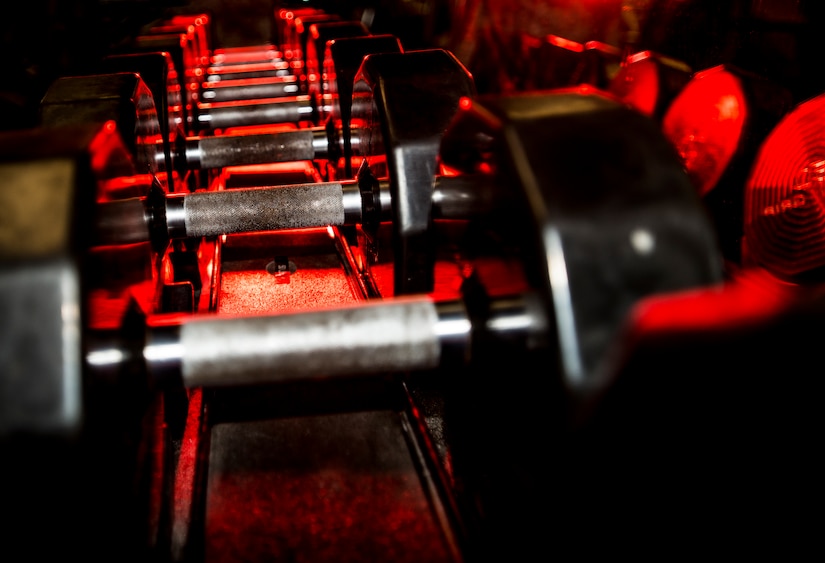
<point x="326" y="515"/>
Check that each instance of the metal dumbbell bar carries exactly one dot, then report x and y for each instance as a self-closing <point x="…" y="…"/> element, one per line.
<point x="219" y="212"/>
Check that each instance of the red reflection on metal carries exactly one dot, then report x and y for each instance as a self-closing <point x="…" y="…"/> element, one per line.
<point x="705" y="124"/>
<point x="649" y="81"/>
<point x="752" y="296"/>
<point x="109" y="154"/>
<point x="125" y="186"/>
<point x="637" y="84"/>
<point x="565" y="43"/>
<point x="784" y="204"/>
<point x="185" y="475"/>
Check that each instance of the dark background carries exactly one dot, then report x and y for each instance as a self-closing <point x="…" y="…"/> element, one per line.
<point x="47" y="39"/>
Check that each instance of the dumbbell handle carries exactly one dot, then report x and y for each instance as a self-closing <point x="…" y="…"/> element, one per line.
<point x="310" y="143"/>
<point x="401" y="334"/>
<point x="250" y="89"/>
<point x="236" y="150"/>
<point x="375" y="337"/>
<point x="219" y="212"/>
<point x="293" y="109"/>
<point x="211" y="213"/>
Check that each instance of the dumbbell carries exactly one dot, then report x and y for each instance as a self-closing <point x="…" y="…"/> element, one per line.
<point x="159" y="217"/>
<point x="386" y="89"/>
<point x="602" y="215"/>
<point x="304" y="64"/>
<point x="251" y="74"/>
<point x="186" y="38"/>
<point x="233" y="75"/>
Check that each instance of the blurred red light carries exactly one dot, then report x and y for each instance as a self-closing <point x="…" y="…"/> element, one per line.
<point x="650" y="81"/>
<point x="637" y="84"/>
<point x="705" y="124"/>
<point x="784" y="217"/>
<point x="565" y="43"/>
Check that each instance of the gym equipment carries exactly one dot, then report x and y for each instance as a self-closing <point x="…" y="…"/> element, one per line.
<point x="413" y="144"/>
<point x="555" y="375"/>
<point x="158" y="217"/>
<point x="405" y="334"/>
<point x="331" y="141"/>
<point x="561" y="303"/>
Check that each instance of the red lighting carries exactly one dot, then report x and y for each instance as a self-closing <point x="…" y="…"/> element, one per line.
<point x="750" y="298"/>
<point x="705" y="123"/>
<point x="784" y="216"/>
<point x="649" y="82"/>
<point x="564" y="43"/>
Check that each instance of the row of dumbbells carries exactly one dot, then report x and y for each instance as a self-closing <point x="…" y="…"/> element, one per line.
<point x="526" y="164"/>
<point x="580" y="197"/>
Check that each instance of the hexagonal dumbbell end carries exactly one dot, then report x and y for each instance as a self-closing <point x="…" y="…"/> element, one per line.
<point x="47" y="202"/>
<point x="404" y="103"/>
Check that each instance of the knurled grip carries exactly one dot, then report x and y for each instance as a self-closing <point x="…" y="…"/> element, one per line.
<point x="263" y="209"/>
<point x="239" y="150"/>
<point x="285" y="110"/>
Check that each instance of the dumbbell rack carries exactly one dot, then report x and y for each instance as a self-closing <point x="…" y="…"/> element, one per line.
<point x="351" y="470"/>
<point x="450" y="464"/>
